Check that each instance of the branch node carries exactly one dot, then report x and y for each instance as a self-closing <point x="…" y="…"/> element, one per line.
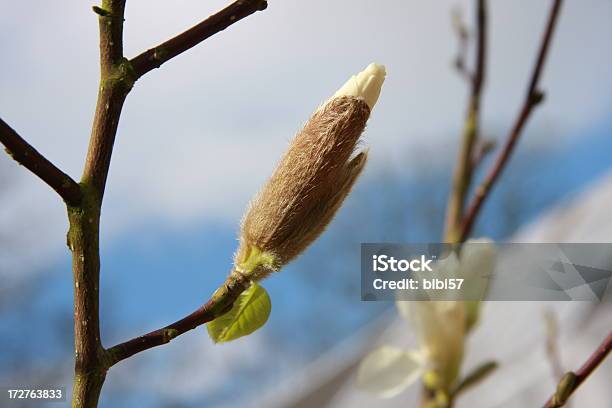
<point x="10" y="153"/>
<point x="482" y="149"/>
<point x="122" y="77"/>
<point x="169" y="334"/>
<point x="101" y="12"/>
<point x="160" y="54"/>
<point x="537" y="97"/>
<point x="564" y="389"/>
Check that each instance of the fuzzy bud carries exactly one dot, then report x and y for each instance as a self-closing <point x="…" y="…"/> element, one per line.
<point x="310" y="182"/>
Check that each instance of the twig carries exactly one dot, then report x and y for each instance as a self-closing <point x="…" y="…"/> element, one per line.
<point x="533" y="98"/>
<point x="116" y="80"/>
<point x="475" y="377"/>
<point x="463" y="171"/>
<point x="481" y="151"/>
<point x="463" y="37"/>
<point x="31" y="159"/>
<point x="156" y="56"/>
<point x="582" y="373"/>
<point x="220" y="303"/>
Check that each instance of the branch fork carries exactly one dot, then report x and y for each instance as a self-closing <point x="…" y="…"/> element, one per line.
<point x="84" y="199"/>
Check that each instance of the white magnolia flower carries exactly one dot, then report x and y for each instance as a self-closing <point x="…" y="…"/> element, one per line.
<point x="440" y="327"/>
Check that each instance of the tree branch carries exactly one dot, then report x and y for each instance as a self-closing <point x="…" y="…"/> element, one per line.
<point x="462" y="176"/>
<point x="116" y="80"/>
<point x="581" y="375"/>
<point x="31" y="159"/>
<point x="117" y="76"/>
<point x="220" y="303"/>
<point x="533" y="98"/>
<point x="156" y="56"/>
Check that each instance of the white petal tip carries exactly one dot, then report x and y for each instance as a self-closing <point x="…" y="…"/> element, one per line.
<point x="366" y="84"/>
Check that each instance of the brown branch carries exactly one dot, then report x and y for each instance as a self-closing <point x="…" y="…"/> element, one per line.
<point x="463" y="171"/>
<point x="31" y="159"/>
<point x="581" y="374"/>
<point x="533" y="98"/>
<point x="116" y="80"/>
<point x="117" y="76"/>
<point x="156" y="56"/>
<point x="220" y="303"/>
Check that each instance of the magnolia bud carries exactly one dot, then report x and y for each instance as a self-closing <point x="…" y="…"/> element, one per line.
<point x="311" y="181"/>
<point x="366" y="84"/>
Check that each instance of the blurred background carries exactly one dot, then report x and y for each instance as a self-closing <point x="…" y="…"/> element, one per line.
<point x="199" y="136"/>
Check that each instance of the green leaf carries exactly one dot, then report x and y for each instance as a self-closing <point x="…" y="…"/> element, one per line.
<point x="249" y="312"/>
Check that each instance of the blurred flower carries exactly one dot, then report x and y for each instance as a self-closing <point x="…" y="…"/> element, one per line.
<point x="440" y="327"/>
<point x="388" y="370"/>
<point x="311" y="181"/>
